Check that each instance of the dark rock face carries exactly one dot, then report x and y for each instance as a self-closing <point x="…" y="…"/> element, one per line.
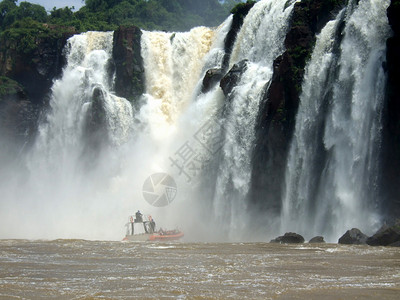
<point x="386" y="236"/>
<point x="391" y="125"/>
<point x="211" y="78"/>
<point x="353" y="237"/>
<point x="229" y="81"/>
<point x="317" y="239"/>
<point x="289" y="238"/>
<point x="27" y="76"/>
<point x="96" y="132"/>
<point x="129" y="70"/>
<point x="276" y="119"/>
<point x="237" y="21"/>
<point x="35" y="70"/>
<point x="18" y="123"/>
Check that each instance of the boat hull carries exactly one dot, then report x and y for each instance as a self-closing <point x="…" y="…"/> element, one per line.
<point x="154" y="237"/>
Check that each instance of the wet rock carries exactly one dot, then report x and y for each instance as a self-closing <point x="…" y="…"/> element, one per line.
<point x="396" y="244"/>
<point x="129" y="69"/>
<point x="317" y="239"/>
<point x="393" y="13"/>
<point x="276" y="120"/>
<point x="386" y="236"/>
<point x="35" y="68"/>
<point x="230" y="80"/>
<point x="18" y="117"/>
<point x="289" y="238"/>
<point x="211" y="78"/>
<point x="239" y="13"/>
<point x="391" y="119"/>
<point x="353" y="237"/>
<point x="96" y="121"/>
<point x="27" y="73"/>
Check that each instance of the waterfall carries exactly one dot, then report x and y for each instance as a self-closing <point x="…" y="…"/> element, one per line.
<point x="173" y="64"/>
<point x="59" y="189"/>
<point x="259" y="41"/>
<point x="62" y="136"/>
<point x="332" y="169"/>
<point x="94" y="151"/>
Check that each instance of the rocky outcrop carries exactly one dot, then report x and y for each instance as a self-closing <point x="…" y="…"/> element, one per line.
<point x="213" y="76"/>
<point x="386" y="236"/>
<point x="30" y="59"/>
<point x="289" y="238"/>
<point x="230" y="80"/>
<point x="239" y="12"/>
<point x="276" y="119"/>
<point x="96" y="119"/>
<point x="353" y="237"/>
<point x="34" y="59"/>
<point x="317" y="240"/>
<point x="391" y="124"/>
<point x="18" y="123"/>
<point x="129" y="70"/>
<point x="11" y="89"/>
<point x="96" y="136"/>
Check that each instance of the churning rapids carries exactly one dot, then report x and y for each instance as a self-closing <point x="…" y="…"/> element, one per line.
<point x="76" y="269"/>
<point x="73" y="184"/>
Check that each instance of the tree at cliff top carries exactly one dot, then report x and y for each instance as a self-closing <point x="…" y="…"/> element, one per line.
<point x="170" y="15"/>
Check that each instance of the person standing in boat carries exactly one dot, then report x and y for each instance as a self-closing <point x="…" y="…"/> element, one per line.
<point x="152" y="224"/>
<point x="138" y="217"/>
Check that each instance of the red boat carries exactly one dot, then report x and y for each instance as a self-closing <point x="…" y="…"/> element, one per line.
<point x="143" y="228"/>
<point x="168" y="235"/>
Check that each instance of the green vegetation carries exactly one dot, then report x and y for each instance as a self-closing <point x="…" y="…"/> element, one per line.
<point x="169" y="15"/>
<point x="237" y="8"/>
<point x="8" y="87"/>
<point x="25" y="33"/>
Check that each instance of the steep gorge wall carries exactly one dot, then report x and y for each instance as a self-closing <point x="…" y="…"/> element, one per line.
<point x="391" y="123"/>
<point x="129" y="70"/>
<point x="276" y="119"/>
<point x="29" y="62"/>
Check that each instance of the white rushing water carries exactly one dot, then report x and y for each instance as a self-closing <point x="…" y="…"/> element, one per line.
<point x="326" y="194"/>
<point x="60" y="188"/>
<point x="94" y="151"/>
<point x="77" y="186"/>
<point x="259" y="41"/>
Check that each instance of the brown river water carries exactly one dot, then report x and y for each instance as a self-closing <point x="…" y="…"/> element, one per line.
<point x="79" y="269"/>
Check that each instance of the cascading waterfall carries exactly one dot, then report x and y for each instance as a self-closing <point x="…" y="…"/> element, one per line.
<point x="175" y="110"/>
<point x="173" y="64"/>
<point x="62" y="135"/>
<point x="332" y="168"/>
<point x="259" y="41"/>
<point x="64" y="173"/>
<point x="93" y="151"/>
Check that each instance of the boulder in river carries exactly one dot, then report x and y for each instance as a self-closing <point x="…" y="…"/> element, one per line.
<point x="317" y="239"/>
<point x="289" y="238"/>
<point x="386" y="236"/>
<point x="353" y="237"/>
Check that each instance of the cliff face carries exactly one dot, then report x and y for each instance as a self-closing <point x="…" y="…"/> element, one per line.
<point x="276" y="120"/>
<point x="129" y="70"/>
<point x="391" y="129"/>
<point x="29" y="62"/>
<point x="213" y="76"/>
<point x="34" y="61"/>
